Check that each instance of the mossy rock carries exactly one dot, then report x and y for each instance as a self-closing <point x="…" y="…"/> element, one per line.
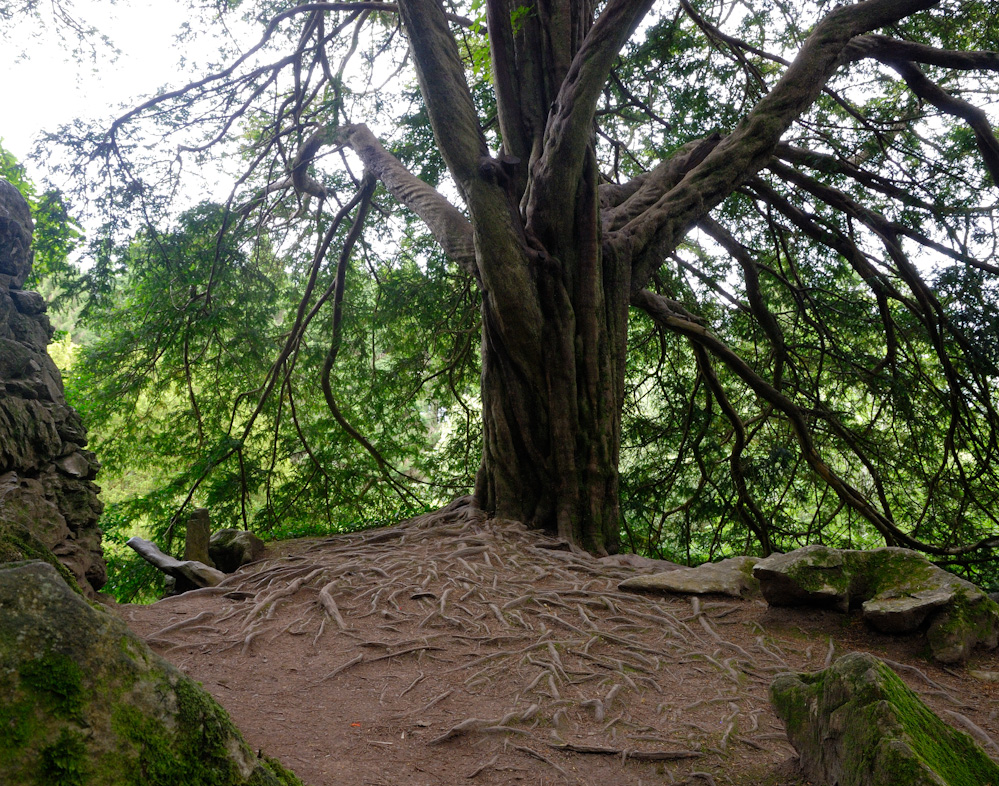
<point x="898" y="590"/>
<point x="858" y="724"/>
<point x="87" y="702"/>
<point x="18" y="543"/>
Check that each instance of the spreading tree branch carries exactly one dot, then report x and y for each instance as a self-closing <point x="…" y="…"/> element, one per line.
<point x="659" y="309"/>
<point x="653" y="236"/>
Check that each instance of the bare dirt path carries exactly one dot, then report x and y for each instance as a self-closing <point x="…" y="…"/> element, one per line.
<point x="454" y="650"/>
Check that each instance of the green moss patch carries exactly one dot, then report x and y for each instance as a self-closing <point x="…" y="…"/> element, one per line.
<point x="86" y="703"/>
<point x="858" y="724"/>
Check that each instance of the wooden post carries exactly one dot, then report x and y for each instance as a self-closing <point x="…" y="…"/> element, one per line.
<point x="199" y="530"/>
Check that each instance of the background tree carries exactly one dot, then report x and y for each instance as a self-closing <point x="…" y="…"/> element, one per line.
<point x="734" y="265"/>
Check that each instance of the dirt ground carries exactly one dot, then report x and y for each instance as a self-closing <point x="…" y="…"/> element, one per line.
<point x="454" y="650"/>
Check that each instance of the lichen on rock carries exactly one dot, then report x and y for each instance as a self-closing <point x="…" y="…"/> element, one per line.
<point x="858" y="724"/>
<point x="87" y="702"/>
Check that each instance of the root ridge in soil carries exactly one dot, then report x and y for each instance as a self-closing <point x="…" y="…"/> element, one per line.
<point x="456" y="649"/>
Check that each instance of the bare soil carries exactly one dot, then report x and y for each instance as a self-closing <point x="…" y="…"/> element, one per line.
<point x="451" y="649"/>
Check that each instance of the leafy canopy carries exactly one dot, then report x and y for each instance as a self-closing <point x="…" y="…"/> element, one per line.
<point x="812" y="360"/>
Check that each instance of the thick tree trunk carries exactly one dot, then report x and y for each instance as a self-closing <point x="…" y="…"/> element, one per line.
<point x="552" y="429"/>
<point x="554" y="304"/>
<point x="551" y="440"/>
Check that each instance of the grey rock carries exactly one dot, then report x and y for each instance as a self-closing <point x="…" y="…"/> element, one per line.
<point x="16" y="227"/>
<point x="857" y="724"/>
<point x="189" y="574"/>
<point x="230" y="549"/>
<point x="29" y="303"/>
<point x="46" y="477"/>
<point x="813" y="575"/>
<point x="733" y="577"/>
<point x="74" y="464"/>
<point x="98" y="701"/>
<point x="897" y="589"/>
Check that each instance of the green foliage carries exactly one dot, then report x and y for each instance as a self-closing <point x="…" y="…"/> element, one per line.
<point x="57" y="234"/>
<point x="851" y="277"/>
<point x="171" y="388"/>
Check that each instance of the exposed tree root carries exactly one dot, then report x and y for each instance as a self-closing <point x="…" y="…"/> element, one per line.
<point x="495" y="614"/>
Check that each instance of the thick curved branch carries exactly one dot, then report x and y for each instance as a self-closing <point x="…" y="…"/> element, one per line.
<point x="556" y="175"/>
<point x="653" y="236"/>
<point x="441" y="75"/>
<point x="502" y="254"/>
<point x="886" y="49"/>
<point x="662" y="314"/>
<point x="447" y="224"/>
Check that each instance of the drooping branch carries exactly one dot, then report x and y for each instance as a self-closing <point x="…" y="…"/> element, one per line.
<point x="931" y="92"/>
<point x="746" y="506"/>
<point x="659" y="309"/>
<point x="367" y="190"/>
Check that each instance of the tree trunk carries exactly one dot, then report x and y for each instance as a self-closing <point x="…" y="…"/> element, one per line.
<point x="552" y="429"/>
<point x="554" y="302"/>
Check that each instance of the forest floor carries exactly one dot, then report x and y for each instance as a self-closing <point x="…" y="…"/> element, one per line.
<point x="453" y="650"/>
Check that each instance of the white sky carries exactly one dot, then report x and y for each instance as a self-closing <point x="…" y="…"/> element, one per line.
<point x="47" y="87"/>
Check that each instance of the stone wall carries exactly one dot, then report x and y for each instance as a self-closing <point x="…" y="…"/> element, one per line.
<point x="45" y="473"/>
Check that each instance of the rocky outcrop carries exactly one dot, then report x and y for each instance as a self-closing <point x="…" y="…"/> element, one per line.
<point x="46" y="475"/>
<point x="897" y="590"/>
<point x="732" y="577"/>
<point x="85" y="701"/>
<point x="857" y="724"/>
<point x="230" y="549"/>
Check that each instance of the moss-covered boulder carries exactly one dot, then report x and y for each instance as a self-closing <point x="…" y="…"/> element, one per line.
<point x="85" y="701"/>
<point x="898" y="591"/>
<point x="858" y="724"/>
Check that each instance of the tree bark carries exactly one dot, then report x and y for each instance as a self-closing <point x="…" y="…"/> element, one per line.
<point x="552" y="416"/>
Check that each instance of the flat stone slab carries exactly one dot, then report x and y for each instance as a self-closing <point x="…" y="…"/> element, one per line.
<point x="190" y="574"/>
<point x="858" y="724"/>
<point x="898" y="591"/>
<point x="732" y="577"/>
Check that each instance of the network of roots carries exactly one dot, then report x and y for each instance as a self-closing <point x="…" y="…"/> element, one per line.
<point x="533" y="634"/>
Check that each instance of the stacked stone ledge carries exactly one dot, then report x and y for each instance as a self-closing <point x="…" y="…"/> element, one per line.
<point x="46" y="475"/>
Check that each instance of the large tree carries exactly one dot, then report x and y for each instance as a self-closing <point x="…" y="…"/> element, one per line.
<point x="767" y="225"/>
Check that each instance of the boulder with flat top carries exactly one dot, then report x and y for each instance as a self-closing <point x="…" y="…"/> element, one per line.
<point x="897" y="591"/>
